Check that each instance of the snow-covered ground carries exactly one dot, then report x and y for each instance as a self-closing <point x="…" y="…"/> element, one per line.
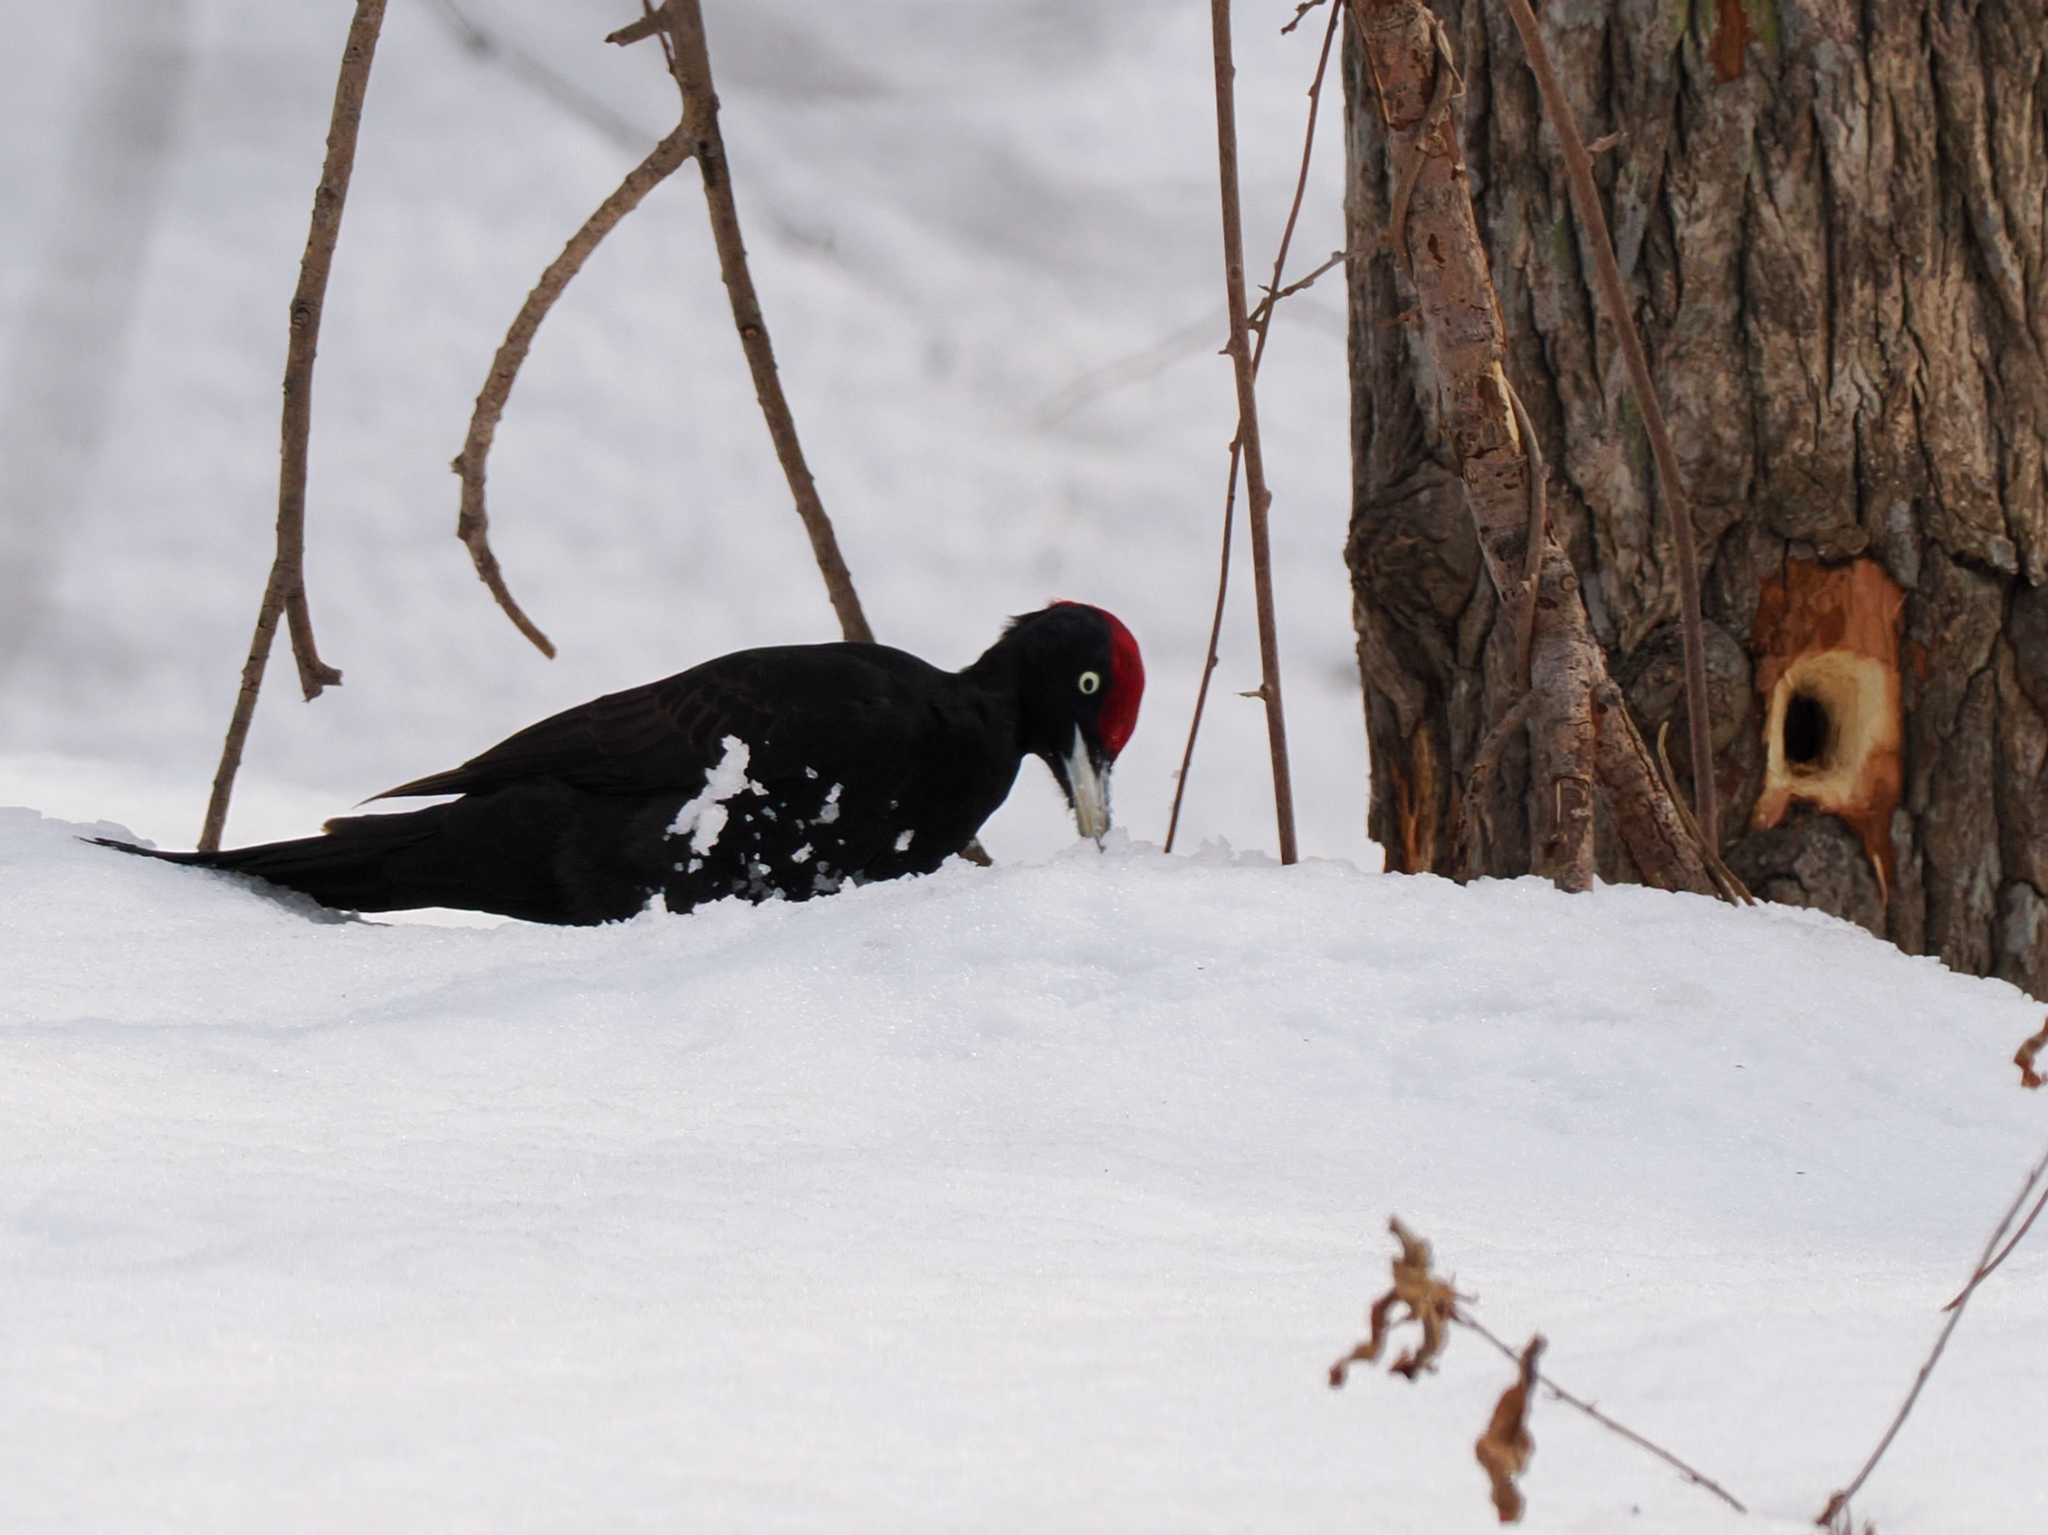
<point x="1030" y="1199"/>
<point x="1036" y="1198"/>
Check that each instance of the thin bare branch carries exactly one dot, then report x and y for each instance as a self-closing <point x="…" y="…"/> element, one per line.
<point x="285" y="590"/>
<point x="1131" y="368"/>
<point x="1301" y="14"/>
<point x="1614" y="299"/>
<point x="2004" y="1252"/>
<point x="1698" y="1478"/>
<point x="1246" y="439"/>
<point x="641" y="30"/>
<point x="1262" y="323"/>
<point x="681" y="24"/>
<point x="1985" y="1264"/>
<point x="539" y="75"/>
<point x="1726" y="880"/>
<point x="472" y="526"/>
<point x="1660" y="836"/>
<point x="1262" y="314"/>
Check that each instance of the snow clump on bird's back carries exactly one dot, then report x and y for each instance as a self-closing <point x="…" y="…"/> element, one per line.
<point x="703" y="817"/>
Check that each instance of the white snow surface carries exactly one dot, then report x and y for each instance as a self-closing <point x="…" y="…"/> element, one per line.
<point x="1037" y="1198"/>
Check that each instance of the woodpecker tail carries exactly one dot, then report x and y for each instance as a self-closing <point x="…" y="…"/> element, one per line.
<point x="359" y="864"/>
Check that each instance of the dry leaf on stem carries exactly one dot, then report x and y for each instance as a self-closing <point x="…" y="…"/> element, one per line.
<point x="2025" y="1058"/>
<point x="1504" y="1449"/>
<point x="1430" y="1301"/>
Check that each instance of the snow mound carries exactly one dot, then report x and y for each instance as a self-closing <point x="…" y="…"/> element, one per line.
<point x="1029" y="1198"/>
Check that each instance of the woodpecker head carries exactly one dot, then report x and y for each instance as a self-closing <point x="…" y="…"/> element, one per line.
<point x="1079" y="681"/>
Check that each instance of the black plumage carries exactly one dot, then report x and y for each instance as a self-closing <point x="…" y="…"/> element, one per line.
<point x="784" y="771"/>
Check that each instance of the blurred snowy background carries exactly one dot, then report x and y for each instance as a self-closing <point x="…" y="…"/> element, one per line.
<point x="986" y="237"/>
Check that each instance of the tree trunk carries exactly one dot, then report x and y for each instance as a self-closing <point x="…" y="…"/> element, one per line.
<point x="1833" y="216"/>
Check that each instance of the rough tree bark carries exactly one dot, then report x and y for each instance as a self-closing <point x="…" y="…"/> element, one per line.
<point x="1833" y="216"/>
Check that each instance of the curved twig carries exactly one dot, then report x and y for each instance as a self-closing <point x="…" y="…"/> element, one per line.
<point x="680" y="26"/>
<point x="472" y="526"/>
<point x="1985" y="1265"/>
<point x="1726" y="880"/>
<point x="285" y="591"/>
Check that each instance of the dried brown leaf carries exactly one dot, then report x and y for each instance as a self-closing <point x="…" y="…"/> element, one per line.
<point x="2024" y="1059"/>
<point x="1504" y="1449"/>
<point x="1429" y="1300"/>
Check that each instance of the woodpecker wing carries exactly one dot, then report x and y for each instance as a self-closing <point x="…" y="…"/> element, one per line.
<point x="794" y="707"/>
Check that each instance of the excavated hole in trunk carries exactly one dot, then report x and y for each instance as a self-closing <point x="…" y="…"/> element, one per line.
<point x="1809" y="732"/>
<point x="1826" y="646"/>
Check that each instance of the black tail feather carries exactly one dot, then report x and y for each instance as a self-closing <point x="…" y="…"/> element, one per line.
<point x="523" y="852"/>
<point x="357" y="865"/>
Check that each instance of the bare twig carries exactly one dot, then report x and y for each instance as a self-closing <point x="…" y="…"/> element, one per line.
<point x="2004" y="1252"/>
<point x="1725" y="879"/>
<point x="1133" y="367"/>
<point x="1261" y="321"/>
<point x="1698" y="1478"/>
<point x="1301" y="14"/>
<point x="285" y="591"/>
<point x="472" y="526"/>
<point x="1262" y="314"/>
<point x="1614" y="298"/>
<point x="1245" y="447"/>
<point x="680" y="24"/>
<point x="539" y="75"/>
<point x="1652" y="824"/>
<point x="641" y="30"/>
<point x="1955" y="1308"/>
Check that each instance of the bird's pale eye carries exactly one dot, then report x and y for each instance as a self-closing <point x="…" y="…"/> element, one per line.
<point x="1091" y="682"/>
